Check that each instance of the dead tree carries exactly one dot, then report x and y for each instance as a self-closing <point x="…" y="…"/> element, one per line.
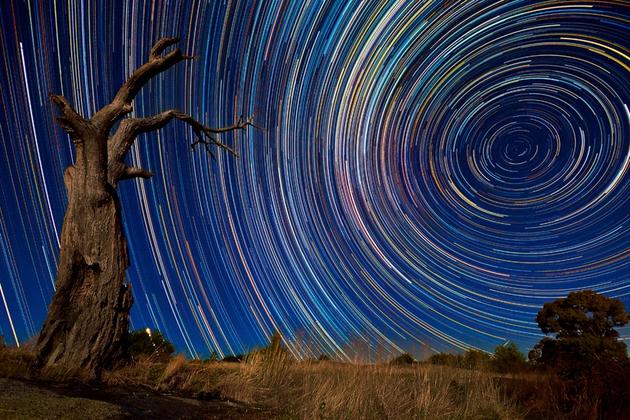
<point x="87" y="321"/>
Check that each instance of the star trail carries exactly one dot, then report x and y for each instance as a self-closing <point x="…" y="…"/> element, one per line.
<point x="426" y="175"/>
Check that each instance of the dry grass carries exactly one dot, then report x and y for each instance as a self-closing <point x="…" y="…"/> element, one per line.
<point x="272" y="380"/>
<point x="400" y="392"/>
<point x="313" y="390"/>
<point x="329" y="390"/>
<point x="15" y="362"/>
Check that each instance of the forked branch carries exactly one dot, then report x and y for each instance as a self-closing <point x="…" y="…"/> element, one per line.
<point x="74" y="124"/>
<point x="157" y="63"/>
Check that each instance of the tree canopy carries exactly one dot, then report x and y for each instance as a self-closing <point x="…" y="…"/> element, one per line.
<point x="584" y="336"/>
<point x="508" y="358"/>
<point x="582" y="313"/>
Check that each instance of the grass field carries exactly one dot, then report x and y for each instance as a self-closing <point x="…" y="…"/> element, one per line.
<point x="329" y="390"/>
<point x="273" y="383"/>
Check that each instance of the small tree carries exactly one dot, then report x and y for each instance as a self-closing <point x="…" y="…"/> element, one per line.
<point x="274" y="350"/>
<point x="403" y="359"/>
<point x="445" y="359"/>
<point x="275" y="343"/>
<point x="508" y="359"/>
<point x="150" y="343"/>
<point x="583" y="325"/>
<point x="475" y="359"/>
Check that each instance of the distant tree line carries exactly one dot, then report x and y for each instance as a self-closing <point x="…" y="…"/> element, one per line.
<point x="506" y="359"/>
<point x="581" y="338"/>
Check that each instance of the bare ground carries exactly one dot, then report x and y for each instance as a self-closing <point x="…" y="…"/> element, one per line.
<point x="30" y="400"/>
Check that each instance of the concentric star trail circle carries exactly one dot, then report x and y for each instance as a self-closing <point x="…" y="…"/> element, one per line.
<point x="427" y="174"/>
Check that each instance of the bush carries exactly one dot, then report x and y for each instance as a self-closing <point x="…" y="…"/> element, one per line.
<point x="508" y="359"/>
<point x="471" y="359"/>
<point x="403" y="359"/>
<point x="445" y="359"/>
<point x="150" y="343"/>
<point x="475" y="359"/>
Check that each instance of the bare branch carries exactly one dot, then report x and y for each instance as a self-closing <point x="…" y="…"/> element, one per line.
<point x="62" y="103"/>
<point x="205" y="135"/>
<point x="134" y="172"/>
<point x="130" y="128"/>
<point x="70" y="121"/>
<point x="157" y="64"/>
<point x="161" y="45"/>
<point x="240" y="124"/>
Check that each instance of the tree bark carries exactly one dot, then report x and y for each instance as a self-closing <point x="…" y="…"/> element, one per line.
<point x="87" y="323"/>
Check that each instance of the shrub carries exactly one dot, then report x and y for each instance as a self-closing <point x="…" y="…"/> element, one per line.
<point x="403" y="359"/>
<point x="150" y="343"/>
<point x="471" y="359"/>
<point x="475" y="359"/>
<point x="445" y="359"/>
<point x="508" y="359"/>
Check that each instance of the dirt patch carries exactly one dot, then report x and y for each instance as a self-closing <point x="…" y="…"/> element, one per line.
<point x="29" y="400"/>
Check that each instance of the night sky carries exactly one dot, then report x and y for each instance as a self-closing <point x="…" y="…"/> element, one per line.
<point x="426" y="176"/>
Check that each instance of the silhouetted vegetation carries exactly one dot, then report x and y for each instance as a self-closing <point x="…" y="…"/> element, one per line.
<point x="446" y="359"/>
<point x="475" y="359"/>
<point x="470" y="359"/>
<point x="584" y="336"/>
<point x="403" y="359"/>
<point x="508" y="359"/>
<point x="150" y="343"/>
<point x="590" y="363"/>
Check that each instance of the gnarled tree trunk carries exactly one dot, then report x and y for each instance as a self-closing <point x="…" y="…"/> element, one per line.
<point x="87" y="322"/>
